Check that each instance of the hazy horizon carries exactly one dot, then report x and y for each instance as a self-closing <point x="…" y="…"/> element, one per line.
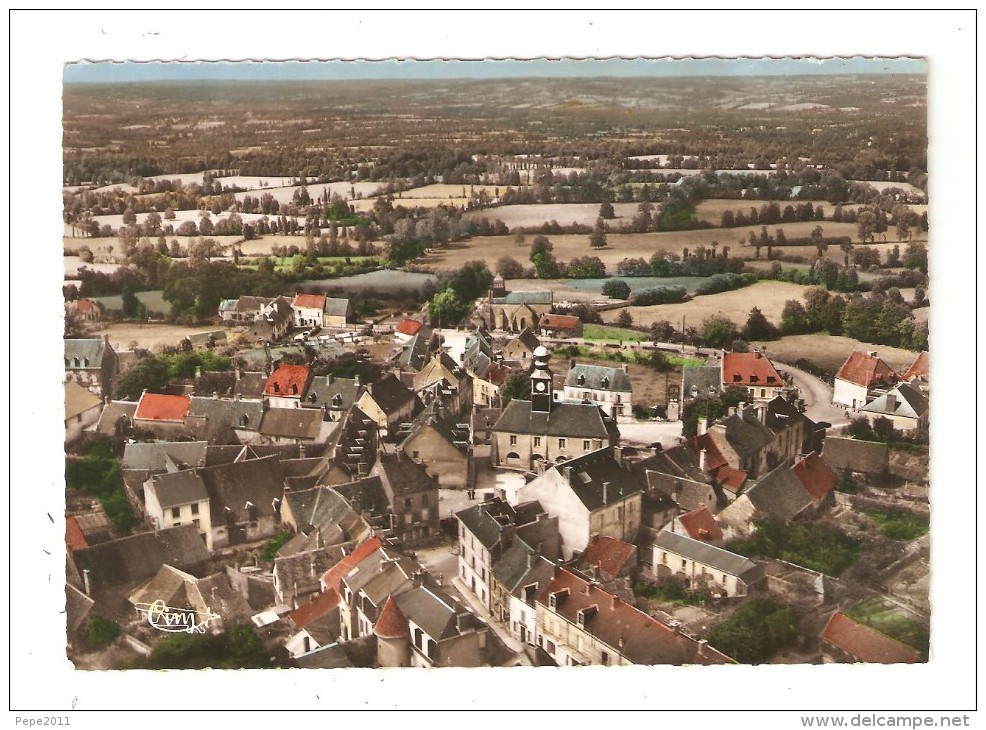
<point x="111" y="71"/>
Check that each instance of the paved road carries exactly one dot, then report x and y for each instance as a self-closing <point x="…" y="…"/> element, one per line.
<point x="817" y="395"/>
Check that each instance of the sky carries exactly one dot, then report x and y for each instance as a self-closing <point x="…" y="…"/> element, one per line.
<point x="131" y="72"/>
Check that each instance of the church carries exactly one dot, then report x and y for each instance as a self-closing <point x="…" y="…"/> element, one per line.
<point x="534" y="434"/>
<point x="515" y="310"/>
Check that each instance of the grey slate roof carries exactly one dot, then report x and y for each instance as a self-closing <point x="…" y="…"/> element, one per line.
<point x="113" y="412"/>
<point x="437" y="417"/>
<point x="301" y="573"/>
<point x="702" y="381"/>
<point x="588" y="473"/>
<point x="487" y="520"/>
<point x="780" y="494"/>
<point x="437" y="613"/>
<point x="216" y="455"/>
<point x="598" y="377"/>
<point x="337" y="393"/>
<point x="528" y="339"/>
<point x="714" y="557"/>
<point x="365" y="495"/>
<point x="521" y="565"/>
<point x="390" y="394"/>
<point x="180" y="487"/>
<point x="88" y="352"/>
<point x="77" y="608"/>
<point x="250" y="385"/>
<point x="526" y="297"/>
<point x="155" y="456"/>
<point x="325" y="657"/>
<point x="239" y="414"/>
<point x="578" y="420"/>
<point x="414" y="355"/>
<point x="401" y="476"/>
<point x="746" y="434"/>
<point x="258" y="481"/>
<point x="910" y="403"/>
<point x="320" y="507"/>
<point x="353" y="442"/>
<point x="140" y="556"/>
<point x="336" y="307"/>
<point x="303" y="423"/>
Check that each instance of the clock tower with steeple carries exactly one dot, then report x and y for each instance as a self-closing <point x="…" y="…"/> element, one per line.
<point x="541" y="382"/>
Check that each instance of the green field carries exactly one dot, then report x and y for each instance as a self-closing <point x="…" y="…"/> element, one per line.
<point x="153" y="300"/>
<point x="593" y="332"/>
<point x="887" y="620"/>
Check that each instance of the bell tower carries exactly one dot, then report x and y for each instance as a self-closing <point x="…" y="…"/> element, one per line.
<point x="541" y="382"/>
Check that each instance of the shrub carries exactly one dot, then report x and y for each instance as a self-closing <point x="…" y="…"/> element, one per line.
<point x="659" y="295"/>
<point x="617" y="289"/>
<point x="812" y="546"/>
<point x="101" y="631"/>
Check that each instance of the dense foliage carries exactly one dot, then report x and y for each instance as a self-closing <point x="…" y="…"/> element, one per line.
<point x="238" y="647"/>
<point x="811" y="545"/>
<point x="710" y="408"/>
<point x="101" y="631"/>
<point x="95" y="471"/>
<point x="755" y="631"/>
<point x="154" y="373"/>
<point x="658" y="295"/>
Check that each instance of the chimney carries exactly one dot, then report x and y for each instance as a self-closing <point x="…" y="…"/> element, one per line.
<point x="605" y="492"/>
<point x="85" y="580"/>
<point x="618" y="455"/>
<point x="701" y="460"/>
<point x="703" y="426"/>
<point x="622" y="642"/>
<point x="757" y="355"/>
<point x="571" y="363"/>
<point x="357" y="380"/>
<point x="626" y="368"/>
<point x="566" y="472"/>
<point x="616" y="602"/>
<point x="416" y="578"/>
<point x="762" y="413"/>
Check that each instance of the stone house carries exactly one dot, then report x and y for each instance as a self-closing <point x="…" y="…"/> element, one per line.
<point x="521" y="348"/>
<point x="753" y="372"/>
<point x="389" y="403"/>
<point x="515" y="311"/>
<point x="440" y="443"/>
<point x="445" y="380"/>
<point x="578" y="623"/>
<point x="178" y="498"/>
<point x="862" y="377"/>
<point x="287" y="385"/>
<point x="847" y="641"/>
<point x="413" y="497"/>
<point x="559" y="325"/>
<point x="607" y="387"/>
<point x="905" y="406"/>
<point x="519" y="576"/>
<point x="702" y="566"/>
<point x="82" y="410"/>
<point x="91" y="363"/>
<point x="592" y="494"/>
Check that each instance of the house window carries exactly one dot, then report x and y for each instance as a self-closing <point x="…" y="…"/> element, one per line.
<point x="176" y="511"/>
<point x="551" y="647"/>
<point x="561" y="443"/>
<point x="195" y="522"/>
<point x="604" y="659"/>
<point x="407" y="503"/>
<point x="763" y="393"/>
<point x="664" y="558"/>
<point x="585" y="445"/>
<point x="537" y="440"/>
<point x="415" y="455"/>
<point x="684" y="563"/>
<point x="195" y="509"/>
<point x="513" y="440"/>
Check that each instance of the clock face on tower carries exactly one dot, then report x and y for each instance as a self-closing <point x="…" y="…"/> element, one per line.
<point x="539" y="386"/>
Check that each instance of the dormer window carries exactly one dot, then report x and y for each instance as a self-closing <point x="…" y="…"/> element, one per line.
<point x="605" y="382"/>
<point x="585" y="615"/>
<point x="754" y="379"/>
<point x="582" y="379"/>
<point x="737" y="378"/>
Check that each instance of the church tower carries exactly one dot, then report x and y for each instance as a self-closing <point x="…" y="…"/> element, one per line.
<point x="541" y="382"/>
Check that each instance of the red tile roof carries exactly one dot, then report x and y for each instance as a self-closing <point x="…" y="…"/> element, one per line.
<point x="865" y="644"/>
<point x="713" y="457"/>
<point x="560" y="321"/>
<point x="608" y="553"/>
<point x="288" y="380"/>
<point x="920" y="368"/>
<point x="74" y="538"/>
<point x="333" y="577"/>
<point x="701" y="525"/>
<point x="84" y="306"/>
<point x="730" y="478"/>
<point x="409" y="327"/>
<point x="815" y="475"/>
<point x="391" y="624"/>
<point x="749" y="368"/>
<point x="640" y="638"/>
<point x="309" y="301"/>
<point x="155" y="407"/>
<point x="867" y="370"/>
<point x="321" y="605"/>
